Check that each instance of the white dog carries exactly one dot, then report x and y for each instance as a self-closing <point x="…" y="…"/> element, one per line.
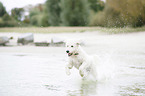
<point x="81" y="60"/>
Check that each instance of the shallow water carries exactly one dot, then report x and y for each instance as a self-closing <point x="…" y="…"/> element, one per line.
<point x="40" y="71"/>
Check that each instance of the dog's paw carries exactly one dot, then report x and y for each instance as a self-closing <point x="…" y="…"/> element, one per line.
<point x="67" y="71"/>
<point x="81" y="73"/>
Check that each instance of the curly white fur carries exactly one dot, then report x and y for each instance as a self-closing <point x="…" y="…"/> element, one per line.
<point x="78" y="58"/>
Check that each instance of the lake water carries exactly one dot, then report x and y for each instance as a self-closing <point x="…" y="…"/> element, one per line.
<point x="40" y="71"/>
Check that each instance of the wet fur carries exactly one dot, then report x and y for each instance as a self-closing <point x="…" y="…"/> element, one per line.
<point x="85" y="63"/>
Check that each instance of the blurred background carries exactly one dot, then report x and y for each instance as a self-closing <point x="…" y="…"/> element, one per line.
<point x="44" y="13"/>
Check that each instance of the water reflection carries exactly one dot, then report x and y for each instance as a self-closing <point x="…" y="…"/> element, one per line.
<point x="136" y="89"/>
<point x="52" y="87"/>
<point x="87" y="88"/>
<point x="134" y="67"/>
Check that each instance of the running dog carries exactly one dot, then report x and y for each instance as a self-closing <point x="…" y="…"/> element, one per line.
<point x="78" y="58"/>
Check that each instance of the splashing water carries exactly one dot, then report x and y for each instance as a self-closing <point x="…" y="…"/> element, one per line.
<point x="106" y="68"/>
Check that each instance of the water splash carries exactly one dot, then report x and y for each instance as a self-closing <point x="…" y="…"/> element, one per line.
<point x="106" y="68"/>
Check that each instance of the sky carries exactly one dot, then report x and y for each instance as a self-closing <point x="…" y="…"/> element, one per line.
<point x="9" y="4"/>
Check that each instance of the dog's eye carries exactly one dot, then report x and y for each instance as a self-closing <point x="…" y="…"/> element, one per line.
<point x="72" y="46"/>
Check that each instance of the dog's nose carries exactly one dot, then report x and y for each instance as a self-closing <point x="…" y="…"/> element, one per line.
<point x="67" y="51"/>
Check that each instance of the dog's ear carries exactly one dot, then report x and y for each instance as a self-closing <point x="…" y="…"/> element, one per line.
<point x="77" y="43"/>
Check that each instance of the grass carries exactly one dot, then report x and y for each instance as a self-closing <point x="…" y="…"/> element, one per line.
<point x="122" y="30"/>
<point x="47" y="29"/>
<point x="70" y="29"/>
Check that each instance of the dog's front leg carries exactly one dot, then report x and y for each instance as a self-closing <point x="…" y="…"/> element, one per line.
<point x="68" y="67"/>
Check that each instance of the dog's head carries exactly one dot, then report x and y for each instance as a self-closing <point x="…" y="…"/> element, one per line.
<point x="72" y="47"/>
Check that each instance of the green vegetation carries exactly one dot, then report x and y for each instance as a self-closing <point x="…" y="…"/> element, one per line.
<point x="2" y="10"/>
<point x="17" y="13"/>
<point x="38" y="16"/>
<point x="122" y="30"/>
<point x="132" y="12"/>
<point x="74" y="12"/>
<point x="48" y="29"/>
<point x="110" y="14"/>
<point x="96" y="5"/>
<point x="5" y="19"/>
<point x="121" y="14"/>
<point x="71" y="29"/>
<point x="53" y="11"/>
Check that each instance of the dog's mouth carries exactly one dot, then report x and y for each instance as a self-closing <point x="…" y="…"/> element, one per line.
<point x="69" y="54"/>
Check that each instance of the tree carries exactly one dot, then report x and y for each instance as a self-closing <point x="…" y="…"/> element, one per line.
<point x="26" y="20"/>
<point x="5" y="19"/>
<point x="96" y="5"/>
<point x="131" y="11"/>
<point x="38" y="16"/>
<point x="8" y="21"/>
<point x="17" y="13"/>
<point x="53" y="10"/>
<point x="2" y="10"/>
<point x="74" y="12"/>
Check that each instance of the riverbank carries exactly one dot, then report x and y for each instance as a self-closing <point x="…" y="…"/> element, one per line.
<point x="70" y="29"/>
